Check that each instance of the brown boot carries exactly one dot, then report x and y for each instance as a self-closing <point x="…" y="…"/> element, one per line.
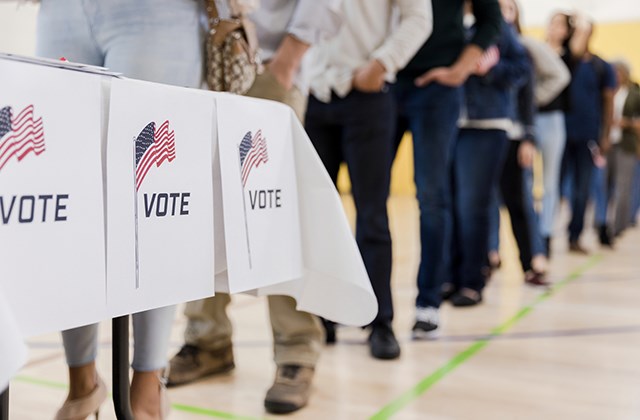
<point x="192" y="363"/>
<point x="290" y="390"/>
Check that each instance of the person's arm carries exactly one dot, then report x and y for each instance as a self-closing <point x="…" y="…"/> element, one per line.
<point x="579" y="42"/>
<point x="488" y="23"/>
<point x="552" y="75"/>
<point x="311" y="21"/>
<point x="513" y="68"/>
<point x="416" y="25"/>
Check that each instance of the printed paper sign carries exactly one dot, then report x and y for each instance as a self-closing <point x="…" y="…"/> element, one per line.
<point x="259" y="192"/>
<point x="52" y="238"/>
<point x="160" y="196"/>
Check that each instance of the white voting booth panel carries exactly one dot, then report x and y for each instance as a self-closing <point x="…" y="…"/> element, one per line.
<point x="191" y="178"/>
<point x="260" y="196"/>
<point x="52" y="242"/>
<point x="159" y="196"/>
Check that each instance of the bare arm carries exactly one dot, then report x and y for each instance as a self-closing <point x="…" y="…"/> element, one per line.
<point x="579" y="42"/>
<point x="607" y="118"/>
<point x="458" y="73"/>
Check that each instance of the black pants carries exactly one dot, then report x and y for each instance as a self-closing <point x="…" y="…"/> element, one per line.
<point x="577" y="163"/>
<point x="512" y="189"/>
<point x="358" y="130"/>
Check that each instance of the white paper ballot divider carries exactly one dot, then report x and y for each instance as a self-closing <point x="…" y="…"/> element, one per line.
<point x="159" y="196"/>
<point x="282" y="208"/>
<point x="259" y="192"/>
<point x="52" y="238"/>
<point x="13" y="350"/>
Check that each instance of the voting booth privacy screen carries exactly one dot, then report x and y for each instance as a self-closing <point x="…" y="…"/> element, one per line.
<point x="118" y="196"/>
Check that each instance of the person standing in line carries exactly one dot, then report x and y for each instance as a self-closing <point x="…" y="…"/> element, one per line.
<point x="568" y="36"/>
<point x="429" y="98"/>
<point x="348" y="120"/>
<point x="285" y="30"/>
<point x="625" y="136"/>
<point x="588" y="125"/>
<point x="159" y="41"/>
<point x="550" y="76"/>
<point x="478" y="158"/>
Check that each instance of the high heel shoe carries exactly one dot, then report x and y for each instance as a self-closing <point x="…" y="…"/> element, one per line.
<point x="85" y="406"/>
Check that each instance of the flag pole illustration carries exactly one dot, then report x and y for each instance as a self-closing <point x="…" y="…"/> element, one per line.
<point x="150" y="147"/>
<point x="252" y="152"/>
<point x="20" y="134"/>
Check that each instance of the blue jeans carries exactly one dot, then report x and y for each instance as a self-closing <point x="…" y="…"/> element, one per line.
<point x="578" y="164"/>
<point x="551" y="132"/>
<point x="155" y="40"/>
<point x="431" y="114"/>
<point x="357" y="130"/>
<point x="602" y="192"/>
<point x="477" y="164"/>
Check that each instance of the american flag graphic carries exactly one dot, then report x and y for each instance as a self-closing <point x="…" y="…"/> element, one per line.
<point x="153" y="147"/>
<point x="253" y="152"/>
<point x="19" y="135"/>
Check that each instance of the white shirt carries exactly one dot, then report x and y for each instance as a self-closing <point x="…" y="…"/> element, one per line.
<point x="390" y="31"/>
<point x="618" y="106"/>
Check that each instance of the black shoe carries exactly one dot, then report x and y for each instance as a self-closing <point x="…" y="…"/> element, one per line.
<point x="329" y="330"/>
<point x="466" y="297"/>
<point x="604" y="236"/>
<point x="383" y="343"/>
<point x="447" y="290"/>
<point x="547" y="246"/>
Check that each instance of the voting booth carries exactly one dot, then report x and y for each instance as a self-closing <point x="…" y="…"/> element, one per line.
<point x="118" y="196"/>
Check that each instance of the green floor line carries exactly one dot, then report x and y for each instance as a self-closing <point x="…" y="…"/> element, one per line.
<point x="424" y="385"/>
<point x="178" y="407"/>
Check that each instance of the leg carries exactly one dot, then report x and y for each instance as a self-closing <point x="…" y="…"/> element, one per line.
<point x="623" y="190"/>
<point x="326" y="135"/>
<point x="551" y="129"/>
<point x="433" y="114"/>
<point x="582" y="182"/>
<point x="208" y="348"/>
<point x="151" y="331"/>
<point x="512" y="187"/>
<point x="478" y="158"/>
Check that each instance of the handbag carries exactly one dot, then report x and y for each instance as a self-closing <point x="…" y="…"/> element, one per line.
<point x="232" y="59"/>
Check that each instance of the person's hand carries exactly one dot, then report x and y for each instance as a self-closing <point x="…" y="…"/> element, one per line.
<point x="370" y="77"/>
<point x="448" y="76"/>
<point x="526" y="154"/>
<point x="581" y="21"/>
<point x="489" y="59"/>
<point x="283" y="73"/>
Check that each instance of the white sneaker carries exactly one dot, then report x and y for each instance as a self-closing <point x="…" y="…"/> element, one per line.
<point x="426" y="326"/>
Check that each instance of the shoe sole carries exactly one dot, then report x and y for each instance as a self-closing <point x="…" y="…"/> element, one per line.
<point x="205" y="375"/>
<point x="279" y="407"/>
<point x="425" y="335"/>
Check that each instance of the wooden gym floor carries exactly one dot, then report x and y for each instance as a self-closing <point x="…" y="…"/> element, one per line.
<point x="572" y="353"/>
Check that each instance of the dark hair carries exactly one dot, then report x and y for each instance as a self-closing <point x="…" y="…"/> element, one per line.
<point x="570" y="27"/>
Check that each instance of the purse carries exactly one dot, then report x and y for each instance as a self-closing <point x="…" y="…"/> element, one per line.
<point x="232" y="59"/>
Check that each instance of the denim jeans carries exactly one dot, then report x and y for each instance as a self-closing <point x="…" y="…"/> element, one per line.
<point x="477" y="164"/>
<point x="155" y="40"/>
<point x="357" y="130"/>
<point x="551" y="132"/>
<point x="635" y="195"/>
<point x="431" y="114"/>
<point x="578" y="164"/>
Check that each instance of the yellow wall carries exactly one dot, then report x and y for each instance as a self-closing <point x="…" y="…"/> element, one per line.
<point x="610" y="41"/>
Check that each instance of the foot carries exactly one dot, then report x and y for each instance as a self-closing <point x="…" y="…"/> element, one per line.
<point x="536" y="278"/>
<point x="329" y="330"/>
<point x="83" y="407"/>
<point x="291" y="389"/>
<point x="149" y="399"/>
<point x="382" y="342"/>
<point x="192" y="363"/>
<point x="447" y="290"/>
<point x="466" y="297"/>
<point x="605" y="237"/>
<point x="576" y="248"/>
<point x="426" y="326"/>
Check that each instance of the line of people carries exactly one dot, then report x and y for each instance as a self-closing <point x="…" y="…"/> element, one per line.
<point x="478" y="98"/>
